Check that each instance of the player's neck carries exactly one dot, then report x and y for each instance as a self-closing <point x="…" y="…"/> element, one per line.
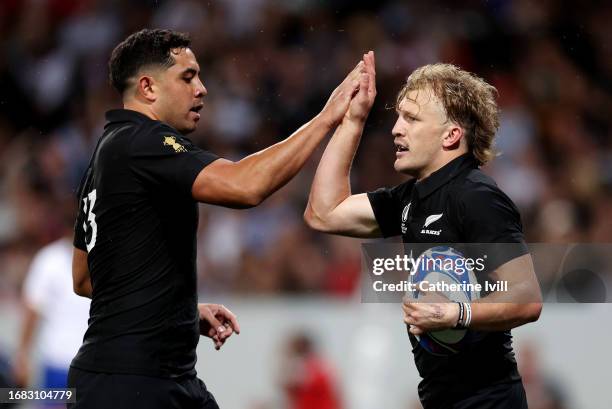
<point x="437" y="165"/>
<point x="146" y="110"/>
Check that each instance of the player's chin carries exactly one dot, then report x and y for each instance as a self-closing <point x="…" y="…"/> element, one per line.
<point x="401" y="166"/>
<point x="190" y="122"/>
<point x="188" y="127"/>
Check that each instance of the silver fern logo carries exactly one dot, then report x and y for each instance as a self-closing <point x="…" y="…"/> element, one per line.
<point x="432" y="218"/>
<point x="405" y="217"/>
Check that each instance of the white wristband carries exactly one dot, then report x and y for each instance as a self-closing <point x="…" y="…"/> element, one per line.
<point x="468" y="314"/>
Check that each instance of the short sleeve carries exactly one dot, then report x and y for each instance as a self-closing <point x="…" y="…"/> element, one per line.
<point x="166" y="159"/>
<point x="387" y="206"/>
<point x="488" y="215"/>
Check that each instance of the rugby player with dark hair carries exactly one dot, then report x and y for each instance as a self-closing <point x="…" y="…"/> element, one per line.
<point x="135" y="234"/>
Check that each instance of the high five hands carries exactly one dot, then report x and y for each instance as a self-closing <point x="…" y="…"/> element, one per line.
<point x="354" y="97"/>
<point x="361" y="104"/>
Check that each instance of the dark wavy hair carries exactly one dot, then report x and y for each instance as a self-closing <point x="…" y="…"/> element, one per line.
<point x="144" y="48"/>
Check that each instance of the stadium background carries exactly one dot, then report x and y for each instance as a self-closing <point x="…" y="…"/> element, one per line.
<point x="269" y="66"/>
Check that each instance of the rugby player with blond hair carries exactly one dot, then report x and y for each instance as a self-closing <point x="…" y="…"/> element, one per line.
<point x="446" y="123"/>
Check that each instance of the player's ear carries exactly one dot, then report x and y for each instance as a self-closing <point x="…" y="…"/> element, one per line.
<point x="453" y="136"/>
<point x="147" y="88"/>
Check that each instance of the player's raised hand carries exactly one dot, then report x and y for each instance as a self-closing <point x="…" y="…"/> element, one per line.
<point x="338" y="102"/>
<point x="218" y="323"/>
<point x="364" y="99"/>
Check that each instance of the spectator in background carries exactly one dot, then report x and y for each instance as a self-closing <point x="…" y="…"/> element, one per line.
<point x="52" y="307"/>
<point x="274" y="62"/>
<point x="306" y="377"/>
<point x="543" y="392"/>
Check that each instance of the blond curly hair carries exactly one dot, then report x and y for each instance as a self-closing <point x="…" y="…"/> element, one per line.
<point x="467" y="99"/>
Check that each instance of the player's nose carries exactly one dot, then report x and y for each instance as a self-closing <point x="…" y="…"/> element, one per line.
<point x="397" y="130"/>
<point x="201" y="90"/>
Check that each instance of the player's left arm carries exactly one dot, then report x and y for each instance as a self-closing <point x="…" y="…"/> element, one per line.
<point x="81" y="280"/>
<point x="487" y="216"/>
<point x="520" y="304"/>
<point x="492" y="217"/>
<point x="247" y="182"/>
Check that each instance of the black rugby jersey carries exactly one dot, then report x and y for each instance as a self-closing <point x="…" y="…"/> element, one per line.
<point x="137" y="220"/>
<point x="456" y="204"/>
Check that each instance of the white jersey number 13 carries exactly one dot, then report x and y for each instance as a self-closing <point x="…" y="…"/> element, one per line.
<point x="88" y="204"/>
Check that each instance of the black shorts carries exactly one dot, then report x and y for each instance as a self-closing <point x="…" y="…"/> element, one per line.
<point x="502" y="396"/>
<point x="96" y="390"/>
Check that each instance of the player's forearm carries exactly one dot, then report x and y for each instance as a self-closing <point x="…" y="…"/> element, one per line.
<point x="498" y="311"/>
<point x="84" y="289"/>
<point x="81" y="280"/>
<point x="268" y="170"/>
<point x="501" y="311"/>
<point x="487" y="316"/>
<point x="331" y="184"/>
<point x="519" y="304"/>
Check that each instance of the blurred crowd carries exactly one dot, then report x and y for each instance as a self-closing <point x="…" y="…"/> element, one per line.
<point x="269" y="66"/>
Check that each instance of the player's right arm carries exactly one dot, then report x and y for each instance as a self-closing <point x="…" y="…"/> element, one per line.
<point x="331" y="206"/>
<point x="80" y="273"/>
<point x="248" y="182"/>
